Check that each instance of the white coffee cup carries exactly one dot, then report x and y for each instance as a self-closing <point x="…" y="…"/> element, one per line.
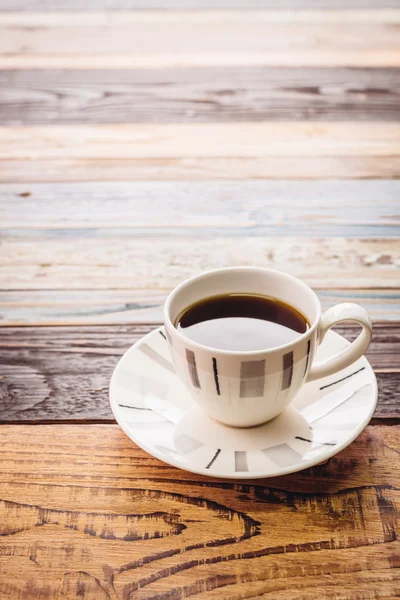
<point x="243" y="389"/>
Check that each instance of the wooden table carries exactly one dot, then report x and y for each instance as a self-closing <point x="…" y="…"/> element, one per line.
<point x="141" y="142"/>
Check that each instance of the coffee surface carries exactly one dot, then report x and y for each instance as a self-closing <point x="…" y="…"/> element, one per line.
<point x="241" y="322"/>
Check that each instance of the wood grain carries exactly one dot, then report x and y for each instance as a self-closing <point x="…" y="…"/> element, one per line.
<point x="123" y="5"/>
<point x="183" y="151"/>
<point x="194" y="168"/>
<point x="206" y="138"/>
<point x="73" y="307"/>
<point x="202" y="208"/>
<point x="157" y="39"/>
<point x="111" y="522"/>
<point x="113" y="262"/>
<point x="201" y="94"/>
<point x="63" y="373"/>
<point x="189" y="140"/>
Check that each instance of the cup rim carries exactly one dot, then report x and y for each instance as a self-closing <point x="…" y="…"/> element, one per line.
<point x="205" y="274"/>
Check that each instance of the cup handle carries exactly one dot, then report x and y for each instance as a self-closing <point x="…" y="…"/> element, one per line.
<point x="342" y="312"/>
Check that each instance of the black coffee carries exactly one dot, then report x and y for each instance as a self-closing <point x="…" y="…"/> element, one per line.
<point x="241" y="322"/>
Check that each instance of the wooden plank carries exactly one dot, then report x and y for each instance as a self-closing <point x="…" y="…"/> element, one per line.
<point x="366" y="58"/>
<point x="200" y="19"/>
<point x="92" y="307"/>
<point x="113" y="262"/>
<point x="194" y="168"/>
<point x="123" y="5"/>
<point x="157" y="39"/>
<point x="202" y="94"/>
<point x="212" y="150"/>
<point x="63" y="373"/>
<point x="210" y="140"/>
<point x="81" y="512"/>
<point x="207" y="208"/>
<point x="133" y="468"/>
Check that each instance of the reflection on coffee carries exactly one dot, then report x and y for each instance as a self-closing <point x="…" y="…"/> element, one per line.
<point x="241" y="322"/>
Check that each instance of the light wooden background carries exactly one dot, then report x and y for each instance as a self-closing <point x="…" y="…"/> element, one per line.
<point x="140" y="143"/>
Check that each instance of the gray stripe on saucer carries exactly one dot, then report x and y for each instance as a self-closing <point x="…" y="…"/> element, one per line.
<point x="151" y="353"/>
<point x="241" y="461"/>
<point x="185" y="444"/>
<point x="282" y="455"/>
<point x="165" y="450"/>
<point x="330" y="402"/>
<point x="152" y="386"/>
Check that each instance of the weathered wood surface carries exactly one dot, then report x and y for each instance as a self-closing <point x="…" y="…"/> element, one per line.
<point x="203" y="94"/>
<point x="203" y="208"/>
<point x="184" y="122"/>
<point x="197" y="168"/>
<point x="107" y="306"/>
<point x="265" y="150"/>
<point x="114" y="262"/>
<point x="110" y="220"/>
<point x="157" y="39"/>
<point x="63" y="373"/>
<point x="123" y="5"/>
<point x="210" y="140"/>
<point x="106" y="521"/>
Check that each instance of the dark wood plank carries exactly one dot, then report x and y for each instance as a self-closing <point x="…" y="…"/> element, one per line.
<point x="63" y="373"/>
<point x="85" y="513"/>
<point x="202" y="94"/>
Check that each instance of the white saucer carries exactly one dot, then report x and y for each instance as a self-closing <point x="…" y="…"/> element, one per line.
<point x="157" y="413"/>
